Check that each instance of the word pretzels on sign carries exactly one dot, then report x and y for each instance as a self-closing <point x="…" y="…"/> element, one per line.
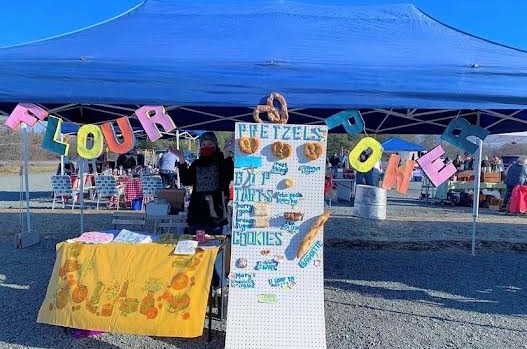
<point x="275" y="115"/>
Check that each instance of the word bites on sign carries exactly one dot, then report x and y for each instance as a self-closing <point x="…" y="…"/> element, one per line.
<point x="276" y="283"/>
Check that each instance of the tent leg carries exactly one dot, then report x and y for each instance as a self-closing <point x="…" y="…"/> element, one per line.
<point x="477" y="186"/>
<point x="26" y="176"/>
<point x="81" y="194"/>
<point x="62" y="159"/>
<point x="26" y="238"/>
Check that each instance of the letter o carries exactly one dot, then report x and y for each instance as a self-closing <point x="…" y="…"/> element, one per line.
<point x="364" y="144"/>
<point x="82" y="139"/>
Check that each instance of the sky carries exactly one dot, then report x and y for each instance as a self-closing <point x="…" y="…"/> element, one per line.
<point x="490" y="19"/>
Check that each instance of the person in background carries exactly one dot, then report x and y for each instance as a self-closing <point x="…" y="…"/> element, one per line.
<point x="69" y="168"/>
<point x="365" y="177"/>
<point x="101" y="162"/>
<point x="344" y="159"/>
<point x="210" y="176"/>
<point x="516" y="174"/>
<point x="458" y="162"/>
<point x="140" y="158"/>
<point x="167" y="166"/>
<point x="334" y="161"/>
<point x="469" y="161"/>
<point x="377" y="173"/>
<point x="126" y="161"/>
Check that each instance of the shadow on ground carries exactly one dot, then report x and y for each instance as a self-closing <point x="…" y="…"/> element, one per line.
<point x="489" y="283"/>
<point x="15" y="195"/>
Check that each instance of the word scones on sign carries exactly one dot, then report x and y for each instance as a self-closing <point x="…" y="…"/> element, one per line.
<point x="433" y="166"/>
<point x="90" y="138"/>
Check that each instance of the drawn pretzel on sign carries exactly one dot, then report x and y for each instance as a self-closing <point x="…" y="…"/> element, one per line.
<point x="275" y="115"/>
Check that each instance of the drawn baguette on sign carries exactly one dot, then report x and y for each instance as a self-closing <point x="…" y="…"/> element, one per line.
<point x="308" y="240"/>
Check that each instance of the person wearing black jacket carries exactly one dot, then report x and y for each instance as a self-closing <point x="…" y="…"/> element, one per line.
<point x="127" y="161"/>
<point x="209" y="175"/>
<point x="140" y="157"/>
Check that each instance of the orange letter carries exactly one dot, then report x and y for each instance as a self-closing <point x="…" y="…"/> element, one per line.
<point x="111" y="138"/>
<point x="397" y="174"/>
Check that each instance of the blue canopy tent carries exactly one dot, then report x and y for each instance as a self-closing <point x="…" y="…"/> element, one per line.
<point x="210" y="63"/>
<point x="394" y="144"/>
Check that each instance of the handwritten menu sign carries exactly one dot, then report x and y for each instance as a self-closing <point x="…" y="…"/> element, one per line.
<point x="276" y="295"/>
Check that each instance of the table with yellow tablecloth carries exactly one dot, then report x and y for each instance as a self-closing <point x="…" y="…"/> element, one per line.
<point x="129" y="288"/>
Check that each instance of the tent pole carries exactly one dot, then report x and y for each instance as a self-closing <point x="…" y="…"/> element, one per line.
<point x="61" y="158"/>
<point x="477" y="186"/>
<point x="81" y="193"/>
<point x="177" y="139"/>
<point x="25" y="151"/>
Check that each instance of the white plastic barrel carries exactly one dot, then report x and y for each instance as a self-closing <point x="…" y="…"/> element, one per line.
<point x="370" y="202"/>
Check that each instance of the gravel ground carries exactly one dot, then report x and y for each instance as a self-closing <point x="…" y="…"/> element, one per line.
<point x="408" y="282"/>
<point x="374" y="299"/>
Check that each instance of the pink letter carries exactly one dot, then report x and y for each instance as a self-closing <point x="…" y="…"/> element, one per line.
<point x="149" y="116"/>
<point x="26" y="113"/>
<point x="434" y="167"/>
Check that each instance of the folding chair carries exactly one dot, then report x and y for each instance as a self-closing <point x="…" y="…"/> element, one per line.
<point x="62" y="188"/>
<point x="151" y="187"/>
<point x="106" y="188"/>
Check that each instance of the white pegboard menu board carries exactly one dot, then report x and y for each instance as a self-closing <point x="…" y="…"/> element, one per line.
<point x="276" y="293"/>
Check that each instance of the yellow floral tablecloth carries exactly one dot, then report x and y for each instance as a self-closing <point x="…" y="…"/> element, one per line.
<point x="129" y="288"/>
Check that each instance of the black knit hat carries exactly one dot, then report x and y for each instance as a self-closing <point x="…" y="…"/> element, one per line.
<point x="208" y="136"/>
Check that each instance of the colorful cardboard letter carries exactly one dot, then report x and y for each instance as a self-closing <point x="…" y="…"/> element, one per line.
<point x="435" y="168"/>
<point x="51" y="141"/>
<point x="398" y="175"/>
<point x="82" y="142"/>
<point x="149" y="116"/>
<point x="343" y="118"/>
<point x="375" y="156"/>
<point x="465" y="129"/>
<point x="26" y="113"/>
<point x="111" y="138"/>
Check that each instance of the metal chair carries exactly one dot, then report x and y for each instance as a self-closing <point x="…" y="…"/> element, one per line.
<point x="106" y="187"/>
<point x="62" y="188"/>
